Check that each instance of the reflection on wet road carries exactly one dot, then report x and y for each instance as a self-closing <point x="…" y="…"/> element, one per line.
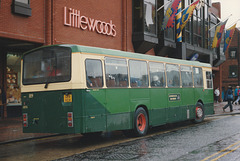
<point x="181" y="141"/>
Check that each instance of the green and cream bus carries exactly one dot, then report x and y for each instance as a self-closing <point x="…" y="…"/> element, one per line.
<point x="80" y="89"/>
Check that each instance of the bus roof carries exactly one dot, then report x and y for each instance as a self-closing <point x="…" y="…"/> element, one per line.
<point x="112" y="52"/>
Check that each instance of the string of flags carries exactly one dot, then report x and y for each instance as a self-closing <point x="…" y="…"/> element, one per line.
<point x="174" y="14"/>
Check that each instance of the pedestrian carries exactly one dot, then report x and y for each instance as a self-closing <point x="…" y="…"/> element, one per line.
<point x="229" y="94"/>
<point x="236" y="93"/>
<point x="238" y="98"/>
<point x="217" y="94"/>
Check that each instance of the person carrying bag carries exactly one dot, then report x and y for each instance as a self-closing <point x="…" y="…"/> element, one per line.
<point x="229" y="99"/>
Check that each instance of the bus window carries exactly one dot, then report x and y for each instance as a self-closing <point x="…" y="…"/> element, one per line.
<point x="173" y="75"/>
<point x="209" y="79"/>
<point x="94" y="75"/>
<point x="138" y="73"/>
<point x="186" y="75"/>
<point x="116" y="72"/>
<point x="47" y="65"/>
<point x="157" y="74"/>
<point x="198" y="77"/>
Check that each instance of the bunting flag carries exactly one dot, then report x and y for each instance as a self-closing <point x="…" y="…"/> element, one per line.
<point x="170" y="15"/>
<point x="218" y="34"/>
<point x="228" y="37"/>
<point x="187" y="14"/>
<point x="178" y="20"/>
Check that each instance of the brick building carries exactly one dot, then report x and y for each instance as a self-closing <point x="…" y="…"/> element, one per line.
<point x="230" y="68"/>
<point x="128" y="25"/>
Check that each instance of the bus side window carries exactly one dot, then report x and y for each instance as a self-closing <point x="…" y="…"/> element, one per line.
<point x="209" y="79"/>
<point x="94" y="74"/>
<point x="198" y="77"/>
<point x="186" y="76"/>
<point x="173" y="75"/>
<point x="157" y="74"/>
<point x="138" y="73"/>
<point x="116" y="72"/>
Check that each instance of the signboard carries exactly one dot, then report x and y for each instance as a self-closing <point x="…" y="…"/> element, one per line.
<point x="174" y="97"/>
<point x="74" y="18"/>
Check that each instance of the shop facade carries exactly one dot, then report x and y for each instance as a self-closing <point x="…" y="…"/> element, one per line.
<point x="127" y="25"/>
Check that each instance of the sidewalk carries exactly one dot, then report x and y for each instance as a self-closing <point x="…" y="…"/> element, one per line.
<point x="11" y="131"/>
<point x="218" y="108"/>
<point x="11" y="128"/>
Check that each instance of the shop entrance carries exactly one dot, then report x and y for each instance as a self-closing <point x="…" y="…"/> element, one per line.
<point x="13" y="92"/>
<point x="11" y="51"/>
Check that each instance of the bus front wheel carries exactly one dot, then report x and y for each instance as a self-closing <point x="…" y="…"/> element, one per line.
<point x="199" y="113"/>
<point x="140" y="122"/>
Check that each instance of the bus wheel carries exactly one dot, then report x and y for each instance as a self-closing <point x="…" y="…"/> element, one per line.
<point x="140" y="122"/>
<point x="199" y="112"/>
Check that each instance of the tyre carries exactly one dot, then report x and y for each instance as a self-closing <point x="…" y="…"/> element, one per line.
<point x="140" y="122"/>
<point x="199" y="113"/>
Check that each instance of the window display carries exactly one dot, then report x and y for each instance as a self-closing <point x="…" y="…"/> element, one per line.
<point x="13" y="90"/>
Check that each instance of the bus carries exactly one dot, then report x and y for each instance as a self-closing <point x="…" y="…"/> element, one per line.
<point x="79" y="89"/>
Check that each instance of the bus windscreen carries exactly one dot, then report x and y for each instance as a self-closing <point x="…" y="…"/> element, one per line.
<point x="47" y="65"/>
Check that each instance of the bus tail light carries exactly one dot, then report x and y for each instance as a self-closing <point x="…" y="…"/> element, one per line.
<point x="70" y="119"/>
<point x="25" y="120"/>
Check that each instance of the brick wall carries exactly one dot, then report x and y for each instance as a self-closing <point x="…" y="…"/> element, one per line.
<point x="46" y="25"/>
<point x="104" y="11"/>
<point x="21" y="27"/>
<point x="226" y="81"/>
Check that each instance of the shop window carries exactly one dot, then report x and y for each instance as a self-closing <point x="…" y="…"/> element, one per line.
<point x="13" y="93"/>
<point x="21" y="7"/>
<point x="144" y="25"/>
<point x="232" y="52"/>
<point x="233" y="71"/>
<point x="150" y="17"/>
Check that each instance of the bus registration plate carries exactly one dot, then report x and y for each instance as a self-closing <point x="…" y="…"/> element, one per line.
<point x="67" y="97"/>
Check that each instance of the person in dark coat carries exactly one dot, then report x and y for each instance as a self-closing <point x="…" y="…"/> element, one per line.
<point x="229" y="99"/>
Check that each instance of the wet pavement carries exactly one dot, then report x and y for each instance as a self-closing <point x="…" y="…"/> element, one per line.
<point x="11" y="128"/>
<point x="217" y="138"/>
<point x="11" y="131"/>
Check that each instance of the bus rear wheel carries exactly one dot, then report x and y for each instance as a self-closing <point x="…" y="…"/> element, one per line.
<point x="199" y="113"/>
<point x="140" y="122"/>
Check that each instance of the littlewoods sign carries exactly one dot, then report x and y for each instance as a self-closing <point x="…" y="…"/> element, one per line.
<point x="73" y="18"/>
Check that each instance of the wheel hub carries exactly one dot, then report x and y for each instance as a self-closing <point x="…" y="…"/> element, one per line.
<point x="141" y="122"/>
<point x="199" y="112"/>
